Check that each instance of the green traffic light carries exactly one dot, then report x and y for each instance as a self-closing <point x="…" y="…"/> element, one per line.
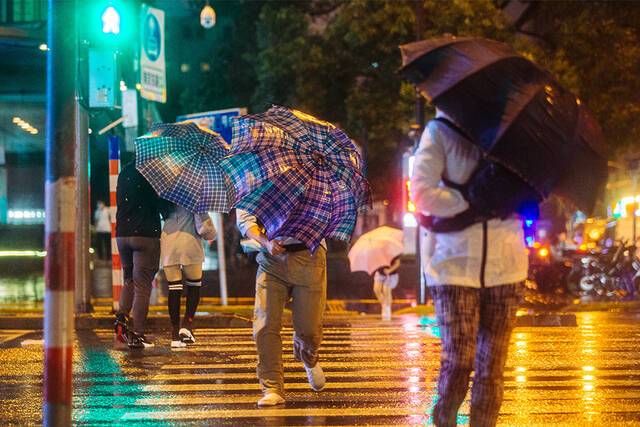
<point x="110" y="21"/>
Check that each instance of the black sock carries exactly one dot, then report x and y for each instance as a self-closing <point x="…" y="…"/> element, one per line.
<point x="193" y="299"/>
<point x="175" y="292"/>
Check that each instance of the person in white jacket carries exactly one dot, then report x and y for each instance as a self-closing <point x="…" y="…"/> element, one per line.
<point x="473" y="275"/>
<point x="385" y="279"/>
<point x="181" y="256"/>
<point x="102" y="217"/>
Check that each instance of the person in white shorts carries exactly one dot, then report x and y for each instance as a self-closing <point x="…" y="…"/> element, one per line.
<point x="182" y="255"/>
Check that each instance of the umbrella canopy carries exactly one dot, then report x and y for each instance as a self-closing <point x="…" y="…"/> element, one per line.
<point x="299" y="175"/>
<point x="180" y="161"/>
<point x="376" y="249"/>
<point x="515" y="111"/>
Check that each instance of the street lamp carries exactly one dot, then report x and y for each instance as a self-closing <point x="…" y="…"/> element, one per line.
<point x="208" y="16"/>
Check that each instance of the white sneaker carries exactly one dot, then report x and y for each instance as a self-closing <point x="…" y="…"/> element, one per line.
<point x="271" y="399"/>
<point x="186" y="336"/>
<point x="178" y="344"/>
<point x="315" y="376"/>
<point x="386" y="313"/>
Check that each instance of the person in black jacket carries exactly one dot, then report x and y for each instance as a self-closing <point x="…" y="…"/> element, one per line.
<point x="138" y="238"/>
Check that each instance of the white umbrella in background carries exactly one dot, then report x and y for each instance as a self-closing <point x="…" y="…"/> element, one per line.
<point x="376" y="249"/>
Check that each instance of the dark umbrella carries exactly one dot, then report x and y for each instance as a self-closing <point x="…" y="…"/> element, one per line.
<point x="515" y="111"/>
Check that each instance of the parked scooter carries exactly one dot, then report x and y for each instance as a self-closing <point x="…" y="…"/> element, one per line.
<point x="611" y="273"/>
<point x="547" y="280"/>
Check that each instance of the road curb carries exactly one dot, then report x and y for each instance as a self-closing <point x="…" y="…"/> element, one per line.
<point x="553" y="319"/>
<point x="602" y="306"/>
<point x="154" y="322"/>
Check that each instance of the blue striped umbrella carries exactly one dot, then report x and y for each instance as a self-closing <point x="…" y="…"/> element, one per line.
<point x="180" y="161"/>
<point x="299" y="175"/>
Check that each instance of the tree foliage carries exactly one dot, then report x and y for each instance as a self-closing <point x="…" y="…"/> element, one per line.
<point x="593" y="48"/>
<point x="338" y="59"/>
<point x="345" y="68"/>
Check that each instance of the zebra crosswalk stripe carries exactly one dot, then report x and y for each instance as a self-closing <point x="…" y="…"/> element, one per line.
<point x="356" y="362"/>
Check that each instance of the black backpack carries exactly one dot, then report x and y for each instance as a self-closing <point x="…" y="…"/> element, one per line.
<point x="492" y="191"/>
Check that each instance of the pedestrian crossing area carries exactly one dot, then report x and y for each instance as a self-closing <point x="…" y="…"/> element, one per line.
<point x="377" y="374"/>
<point x="375" y="371"/>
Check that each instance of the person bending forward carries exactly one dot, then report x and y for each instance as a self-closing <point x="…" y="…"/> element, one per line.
<point x="287" y="271"/>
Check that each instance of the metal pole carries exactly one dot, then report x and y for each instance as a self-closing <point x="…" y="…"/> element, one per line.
<point x="222" y="261"/>
<point x="635" y="207"/>
<point x="116" y="265"/>
<point x="60" y="195"/>
<point x="419" y="28"/>
<point x="83" y="224"/>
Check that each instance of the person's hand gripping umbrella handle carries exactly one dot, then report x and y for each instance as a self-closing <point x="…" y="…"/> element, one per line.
<point x="274" y="247"/>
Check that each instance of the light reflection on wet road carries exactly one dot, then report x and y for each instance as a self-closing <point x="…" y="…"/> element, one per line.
<point x="376" y="374"/>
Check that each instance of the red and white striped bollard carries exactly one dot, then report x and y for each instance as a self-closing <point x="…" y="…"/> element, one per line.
<point x="116" y="265"/>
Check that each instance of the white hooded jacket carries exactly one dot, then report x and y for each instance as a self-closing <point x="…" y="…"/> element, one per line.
<point x="485" y="254"/>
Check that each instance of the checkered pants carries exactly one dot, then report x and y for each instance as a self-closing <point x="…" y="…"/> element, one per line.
<point x="475" y="324"/>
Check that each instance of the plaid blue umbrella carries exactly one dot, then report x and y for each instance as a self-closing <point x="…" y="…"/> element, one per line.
<point x="180" y="161"/>
<point x="299" y="175"/>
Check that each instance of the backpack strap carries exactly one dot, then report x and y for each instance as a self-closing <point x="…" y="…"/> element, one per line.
<point x="462" y="188"/>
<point x="454" y="127"/>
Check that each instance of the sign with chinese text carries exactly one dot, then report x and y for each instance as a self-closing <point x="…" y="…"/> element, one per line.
<point x="218" y="121"/>
<point x="153" y="80"/>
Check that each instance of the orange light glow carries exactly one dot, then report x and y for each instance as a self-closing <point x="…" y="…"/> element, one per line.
<point x="411" y="207"/>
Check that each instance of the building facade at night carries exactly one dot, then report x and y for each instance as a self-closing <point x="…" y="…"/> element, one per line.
<point x="22" y="110"/>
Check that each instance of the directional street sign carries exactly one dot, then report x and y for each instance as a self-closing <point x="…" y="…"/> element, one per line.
<point x="152" y="62"/>
<point x="218" y="121"/>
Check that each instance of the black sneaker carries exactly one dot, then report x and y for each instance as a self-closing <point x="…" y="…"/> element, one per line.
<point x="138" y="341"/>
<point x="120" y="328"/>
<point x="186" y="336"/>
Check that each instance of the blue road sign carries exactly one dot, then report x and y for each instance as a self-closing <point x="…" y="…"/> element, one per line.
<point x="152" y="39"/>
<point x="218" y="121"/>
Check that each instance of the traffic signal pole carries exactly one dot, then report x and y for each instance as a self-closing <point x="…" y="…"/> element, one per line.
<point x="83" y="212"/>
<point x="419" y="29"/>
<point x="60" y="205"/>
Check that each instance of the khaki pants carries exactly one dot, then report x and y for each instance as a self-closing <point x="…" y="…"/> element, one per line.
<point x="301" y="278"/>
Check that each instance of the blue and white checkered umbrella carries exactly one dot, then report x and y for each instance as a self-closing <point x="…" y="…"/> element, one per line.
<point x="180" y="161"/>
<point x="299" y="175"/>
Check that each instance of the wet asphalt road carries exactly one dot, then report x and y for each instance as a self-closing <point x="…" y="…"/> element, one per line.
<point x="376" y="374"/>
